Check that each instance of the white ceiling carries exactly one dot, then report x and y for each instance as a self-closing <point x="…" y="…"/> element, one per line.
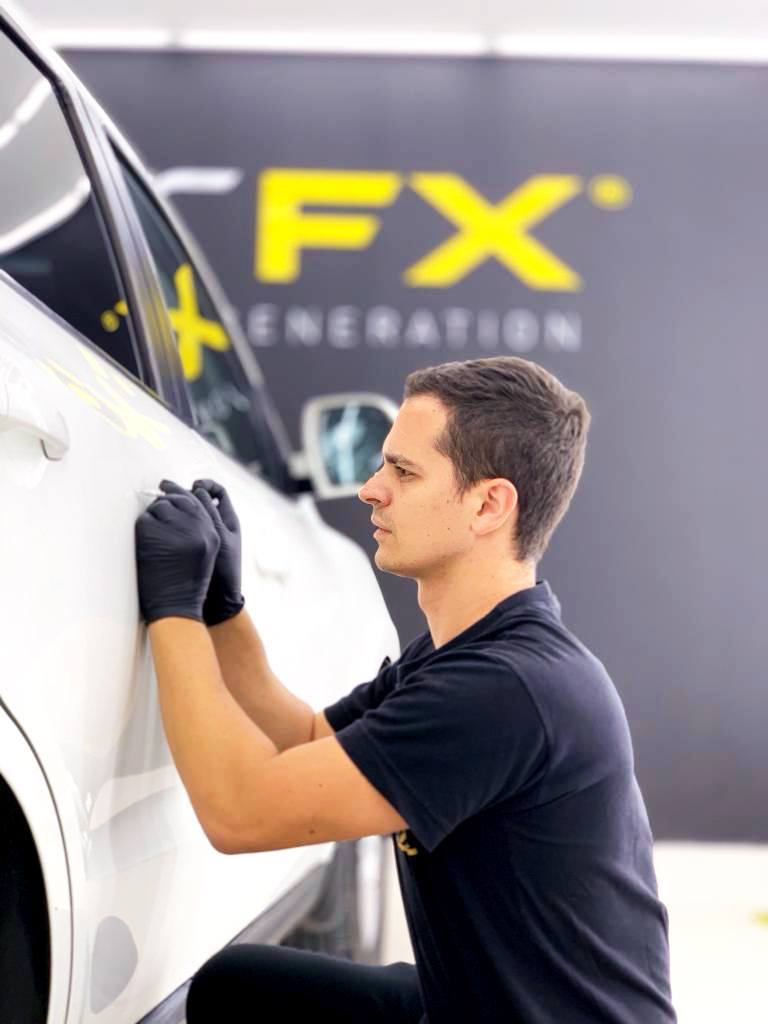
<point x="548" y="17"/>
<point x="711" y="25"/>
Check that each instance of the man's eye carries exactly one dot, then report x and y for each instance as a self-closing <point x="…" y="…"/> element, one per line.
<point x="398" y="469"/>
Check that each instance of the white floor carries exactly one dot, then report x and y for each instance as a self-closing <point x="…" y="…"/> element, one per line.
<point x="717" y="898"/>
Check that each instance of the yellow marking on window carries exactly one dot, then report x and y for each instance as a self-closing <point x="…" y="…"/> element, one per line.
<point x="193" y="331"/>
<point x="110" y="318"/>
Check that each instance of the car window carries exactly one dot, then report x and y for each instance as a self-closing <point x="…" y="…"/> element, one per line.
<point x="226" y="407"/>
<point x="51" y="236"/>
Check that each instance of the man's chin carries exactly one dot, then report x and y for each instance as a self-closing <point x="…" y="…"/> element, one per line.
<point x="388" y="564"/>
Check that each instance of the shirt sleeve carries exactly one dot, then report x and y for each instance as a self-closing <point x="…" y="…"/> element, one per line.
<point x="460" y="734"/>
<point x="363" y="698"/>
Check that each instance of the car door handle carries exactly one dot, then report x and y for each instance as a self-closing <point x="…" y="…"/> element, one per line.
<point x="54" y="437"/>
<point x="19" y="410"/>
<point x="22" y="410"/>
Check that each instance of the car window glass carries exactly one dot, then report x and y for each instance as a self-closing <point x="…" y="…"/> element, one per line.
<point x="224" y="403"/>
<point x="51" y="236"/>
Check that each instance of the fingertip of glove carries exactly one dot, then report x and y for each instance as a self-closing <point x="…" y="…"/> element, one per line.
<point x="204" y="498"/>
<point x="211" y="486"/>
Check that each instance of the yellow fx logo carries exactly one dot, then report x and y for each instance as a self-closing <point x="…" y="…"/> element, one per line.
<point x="485" y="231"/>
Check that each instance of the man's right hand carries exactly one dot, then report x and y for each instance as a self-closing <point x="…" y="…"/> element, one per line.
<point x="224" y="599"/>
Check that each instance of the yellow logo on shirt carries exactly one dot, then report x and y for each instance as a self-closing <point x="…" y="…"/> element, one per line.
<point x="402" y="844"/>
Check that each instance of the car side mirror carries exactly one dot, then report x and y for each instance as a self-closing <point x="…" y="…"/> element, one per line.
<point x="342" y="436"/>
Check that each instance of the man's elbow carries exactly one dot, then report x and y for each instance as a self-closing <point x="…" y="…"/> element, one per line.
<point x="218" y="835"/>
<point x="229" y="840"/>
<point x="220" y="842"/>
<point x="231" y="828"/>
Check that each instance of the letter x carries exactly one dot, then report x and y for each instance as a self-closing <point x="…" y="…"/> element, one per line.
<point x="499" y="231"/>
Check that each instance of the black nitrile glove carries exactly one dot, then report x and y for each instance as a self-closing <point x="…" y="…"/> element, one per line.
<point x="176" y="548"/>
<point x="224" y="599"/>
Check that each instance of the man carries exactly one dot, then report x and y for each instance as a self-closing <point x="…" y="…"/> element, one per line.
<point x="496" y="749"/>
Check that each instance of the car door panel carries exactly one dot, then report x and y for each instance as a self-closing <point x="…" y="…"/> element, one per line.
<point x="78" y="669"/>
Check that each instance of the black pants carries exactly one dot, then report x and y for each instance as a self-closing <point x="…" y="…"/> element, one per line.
<point x="271" y="981"/>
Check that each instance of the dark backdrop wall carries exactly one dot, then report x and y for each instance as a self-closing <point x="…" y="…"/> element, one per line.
<point x="609" y="222"/>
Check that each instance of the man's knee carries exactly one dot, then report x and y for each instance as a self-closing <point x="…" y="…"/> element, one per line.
<point x="215" y="984"/>
<point x="247" y="971"/>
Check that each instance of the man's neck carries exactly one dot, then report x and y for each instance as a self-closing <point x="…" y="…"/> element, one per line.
<point x="455" y="601"/>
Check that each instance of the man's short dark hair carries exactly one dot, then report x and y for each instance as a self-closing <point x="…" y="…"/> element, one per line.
<point x="509" y="417"/>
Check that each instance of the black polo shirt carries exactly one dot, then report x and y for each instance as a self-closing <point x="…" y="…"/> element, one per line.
<point x="526" y="870"/>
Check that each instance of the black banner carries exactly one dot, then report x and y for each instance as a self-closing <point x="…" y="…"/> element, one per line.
<point x="371" y="216"/>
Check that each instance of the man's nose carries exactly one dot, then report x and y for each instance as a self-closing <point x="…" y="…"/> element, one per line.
<point x="371" y="491"/>
<point x="364" y="493"/>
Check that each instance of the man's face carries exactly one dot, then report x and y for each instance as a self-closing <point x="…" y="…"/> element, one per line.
<point x="413" y="496"/>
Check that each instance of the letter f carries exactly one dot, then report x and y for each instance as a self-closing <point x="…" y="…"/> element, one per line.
<point x="283" y="229"/>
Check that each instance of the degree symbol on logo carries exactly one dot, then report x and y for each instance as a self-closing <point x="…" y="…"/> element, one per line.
<point x="610" y="191"/>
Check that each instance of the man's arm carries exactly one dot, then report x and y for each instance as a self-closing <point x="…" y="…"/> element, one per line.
<point x="215" y="746"/>
<point x="287" y="720"/>
<point x="247" y="796"/>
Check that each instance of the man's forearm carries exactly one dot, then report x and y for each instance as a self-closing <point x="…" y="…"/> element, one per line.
<point x="285" y="718"/>
<point x="214" y="744"/>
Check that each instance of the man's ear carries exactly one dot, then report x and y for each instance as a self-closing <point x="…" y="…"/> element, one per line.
<point x="499" y="502"/>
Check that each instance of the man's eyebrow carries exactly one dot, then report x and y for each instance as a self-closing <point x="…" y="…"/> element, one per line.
<point x="394" y="457"/>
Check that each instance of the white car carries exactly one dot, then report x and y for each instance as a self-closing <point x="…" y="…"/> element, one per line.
<point x="121" y="364"/>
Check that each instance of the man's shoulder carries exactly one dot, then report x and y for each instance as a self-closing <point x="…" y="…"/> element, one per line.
<point x="557" y="669"/>
<point x="537" y="650"/>
<point x="487" y="672"/>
